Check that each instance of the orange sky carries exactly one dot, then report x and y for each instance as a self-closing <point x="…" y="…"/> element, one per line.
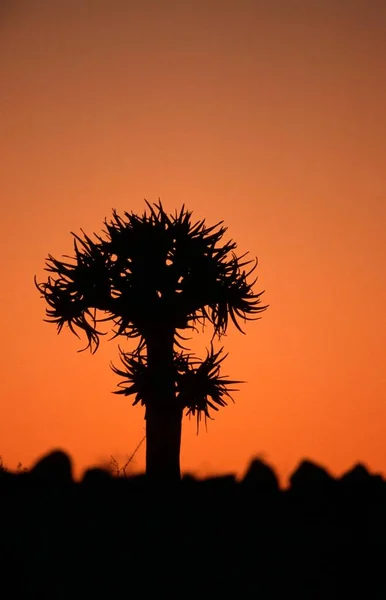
<point x="269" y="115"/>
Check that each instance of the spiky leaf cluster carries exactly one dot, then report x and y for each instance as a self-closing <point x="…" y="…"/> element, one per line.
<point x="150" y="271"/>
<point x="199" y="386"/>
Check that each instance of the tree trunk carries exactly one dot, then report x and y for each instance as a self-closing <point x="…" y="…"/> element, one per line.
<point x="163" y="443"/>
<point x="163" y="416"/>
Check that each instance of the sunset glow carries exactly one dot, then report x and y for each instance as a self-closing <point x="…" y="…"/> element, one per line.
<point x="269" y="116"/>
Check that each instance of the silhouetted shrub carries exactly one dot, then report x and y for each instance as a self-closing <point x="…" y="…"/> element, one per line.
<point x="261" y="478"/>
<point x="311" y="478"/>
<point x="54" y="468"/>
<point x="95" y="477"/>
<point x="359" y="483"/>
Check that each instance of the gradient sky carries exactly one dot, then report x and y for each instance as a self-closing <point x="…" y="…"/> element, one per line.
<point x="268" y="115"/>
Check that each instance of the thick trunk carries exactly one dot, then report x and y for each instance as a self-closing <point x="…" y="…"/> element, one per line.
<point x="163" y="443"/>
<point x="163" y="416"/>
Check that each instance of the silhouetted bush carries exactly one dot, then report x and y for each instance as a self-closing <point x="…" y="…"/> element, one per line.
<point x="359" y="483"/>
<point x="54" y="468"/>
<point x="96" y="477"/>
<point x="310" y="478"/>
<point x="261" y="478"/>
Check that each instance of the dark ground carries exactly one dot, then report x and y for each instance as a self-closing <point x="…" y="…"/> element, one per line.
<point x="109" y="537"/>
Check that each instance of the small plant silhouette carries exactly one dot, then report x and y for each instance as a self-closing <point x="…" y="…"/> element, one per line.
<point x="122" y="471"/>
<point x="154" y="276"/>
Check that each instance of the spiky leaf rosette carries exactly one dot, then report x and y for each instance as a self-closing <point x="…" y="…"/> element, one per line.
<point x="150" y="271"/>
<point x="199" y="385"/>
<point x="135" y="376"/>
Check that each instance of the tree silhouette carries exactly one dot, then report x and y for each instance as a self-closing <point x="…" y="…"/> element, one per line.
<point x="153" y="277"/>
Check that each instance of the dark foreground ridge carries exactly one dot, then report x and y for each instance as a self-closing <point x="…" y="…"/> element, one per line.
<point x="116" y="537"/>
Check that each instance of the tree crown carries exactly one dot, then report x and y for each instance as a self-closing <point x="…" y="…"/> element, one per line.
<point x="149" y="272"/>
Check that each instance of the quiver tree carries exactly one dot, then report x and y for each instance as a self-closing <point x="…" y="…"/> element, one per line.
<point x="153" y="277"/>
